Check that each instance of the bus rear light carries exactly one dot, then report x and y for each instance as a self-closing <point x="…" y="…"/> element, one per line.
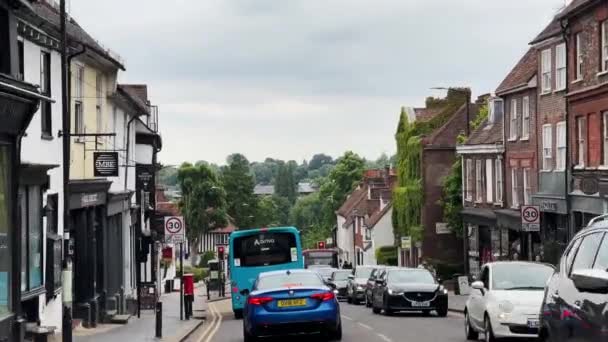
<point x="235" y="289"/>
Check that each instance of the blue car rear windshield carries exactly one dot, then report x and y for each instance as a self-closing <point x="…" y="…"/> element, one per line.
<point x="264" y="249"/>
<point x="288" y="280"/>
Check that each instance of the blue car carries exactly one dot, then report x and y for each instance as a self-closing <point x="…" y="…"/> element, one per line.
<point x="291" y="302"/>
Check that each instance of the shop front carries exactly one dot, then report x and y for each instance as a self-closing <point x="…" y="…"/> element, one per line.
<point x="88" y="212"/>
<point x="486" y="242"/>
<point x="523" y="245"/>
<point x="553" y="226"/>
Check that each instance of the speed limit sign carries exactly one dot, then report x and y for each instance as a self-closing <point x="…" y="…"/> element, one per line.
<point x="530" y="218"/>
<point x="175" y="230"/>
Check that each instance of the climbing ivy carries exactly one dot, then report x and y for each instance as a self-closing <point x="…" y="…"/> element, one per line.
<point x="409" y="193"/>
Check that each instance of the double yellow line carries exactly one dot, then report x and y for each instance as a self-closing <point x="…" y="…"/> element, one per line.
<point x="212" y="328"/>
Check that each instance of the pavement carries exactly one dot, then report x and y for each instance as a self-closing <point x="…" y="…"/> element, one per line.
<point x="456" y="303"/>
<point x="143" y="328"/>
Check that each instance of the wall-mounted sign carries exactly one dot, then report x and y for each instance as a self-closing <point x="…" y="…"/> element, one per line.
<point x="548" y="206"/>
<point x="105" y="164"/>
<point x="442" y="228"/>
<point x="589" y="185"/>
<point x="406" y="242"/>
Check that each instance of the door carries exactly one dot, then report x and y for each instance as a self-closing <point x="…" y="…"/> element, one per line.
<point x="477" y="299"/>
<point x="575" y="306"/>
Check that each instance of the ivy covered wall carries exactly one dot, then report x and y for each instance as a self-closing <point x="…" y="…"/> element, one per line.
<point x="408" y="197"/>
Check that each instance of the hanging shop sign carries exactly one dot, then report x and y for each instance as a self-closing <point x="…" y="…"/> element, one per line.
<point x="105" y="164"/>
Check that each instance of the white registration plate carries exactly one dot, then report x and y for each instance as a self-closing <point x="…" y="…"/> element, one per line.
<point x="421" y="304"/>
<point x="533" y="323"/>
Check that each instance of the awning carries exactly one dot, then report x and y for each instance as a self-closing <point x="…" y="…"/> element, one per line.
<point x="509" y="218"/>
<point x="479" y="216"/>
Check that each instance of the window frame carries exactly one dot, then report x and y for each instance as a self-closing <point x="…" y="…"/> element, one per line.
<point x="560" y="146"/>
<point x="489" y="181"/>
<point x="579" y="57"/>
<point x="99" y="102"/>
<point x="604" y="46"/>
<point x="581" y="141"/>
<point x="6" y="177"/>
<point x="514" y="188"/>
<point x="46" y="113"/>
<point x="605" y="139"/>
<point x="547" y="147"/>
<point x="479" y="181"/>
<point x="560" y="67"/>
<point x="469" y="179"/>
<point x="513" y="129"/>
<point x="499" y="181"/>
<point x="525" y="118"/>
<point x="21" y="53"/>
<point x="546" y="70"/>
<point x="27" y="289"/>
<point x="527" y="186"/>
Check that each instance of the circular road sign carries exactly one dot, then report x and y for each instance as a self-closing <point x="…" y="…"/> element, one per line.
<point x="173" y="225"/>
<point x="530" y="215"/>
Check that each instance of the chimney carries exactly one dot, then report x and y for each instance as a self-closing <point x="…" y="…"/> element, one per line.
<point x="387" y="175"/>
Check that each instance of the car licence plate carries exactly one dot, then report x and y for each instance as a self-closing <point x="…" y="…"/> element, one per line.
<point x="289" y="303"/>
<point x="533" y="323"/>
<point x="421" y="304"/>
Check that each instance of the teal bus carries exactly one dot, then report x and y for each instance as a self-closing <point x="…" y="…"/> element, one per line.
<point x="254" y="251"/>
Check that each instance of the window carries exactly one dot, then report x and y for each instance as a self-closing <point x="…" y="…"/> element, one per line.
<point x="78" y="94"/>
<point x="5" y="227"/>
<point x="479" y="181"/>
<point x="601" y="260"/>
<point x="560" y="155"/>
<point x="51" y="212"/>
<point x="513" y="121"/>
<point x="525" y="124"/>
<point x="581" y="135"/>
<point x="79" y="82"/>
<point x="604" y="52"/>
<point x="368" y="234"/>
<point x="79" y="118"/>
<point x="489" y="181"/>
<point x="469" y="179"/>
<point x="30" y="207"/>
<point x="115" y="125"/>
<point x="560" y="67"/>
<point x="264" y="249"/>
<point x="98" y="95"/>
<point x="546" y="70"/>
<point x="585" y="256"/>
<point x="527" y="187"/>
<point x="547" y="147"/>
<point x="5" y="52"/>
<point x="514" y="189"/>
<point x="45" y="88"/>
<point x="21" y="51"/>
<point x="571" y="254"/>
<point x="579" y="56"/>
<point x="605" y="138"/>
<point x="499" y="181"/>
<point x="496" y="108"/>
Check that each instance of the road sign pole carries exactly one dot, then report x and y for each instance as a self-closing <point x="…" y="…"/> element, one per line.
<point x="181" y="281"/>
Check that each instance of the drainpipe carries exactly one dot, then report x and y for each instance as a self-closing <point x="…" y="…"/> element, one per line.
<point x="127" y="156"/>
<point x="569" y="226"/>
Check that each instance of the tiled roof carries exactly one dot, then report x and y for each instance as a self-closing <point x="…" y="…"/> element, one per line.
<point x="137" y="95"/>
<point x="553" y="29"/>
<point x="446" y="135"/>
<point x="522" y="73"/>
<point x="352" y="201"/>
<point x="573" y="7"/>
<point x="51" y="15"/>
<point x="378" y="215"/>
<point x="486" y="133"/>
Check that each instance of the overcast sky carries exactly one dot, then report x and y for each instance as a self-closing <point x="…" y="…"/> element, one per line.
<point x="290" y="78"/>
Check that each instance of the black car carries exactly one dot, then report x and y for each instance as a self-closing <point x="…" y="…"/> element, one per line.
<point x="576" y="297"/>
<point x="357" y="282"/>
<point x="371" y="283"/>
<point x="406" y="289"/>
<point x="339" y="279"/>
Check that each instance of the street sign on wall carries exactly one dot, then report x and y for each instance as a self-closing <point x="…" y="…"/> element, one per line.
<point x="175" y="229"/>
<point x="406" y="242"/>
<point x="530" y="218"/>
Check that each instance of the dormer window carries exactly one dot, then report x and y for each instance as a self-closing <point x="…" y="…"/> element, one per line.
<point x="495" y="110"/>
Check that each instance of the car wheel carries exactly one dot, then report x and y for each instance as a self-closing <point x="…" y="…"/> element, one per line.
<point x="387" y="310"/>
<point x="349" y="297"/>
<point x="469" y="331"/>
<point x="442" y="312"/>
<point x="336" y="335"/>
<point x="247" y="337"/>
<point x="489" y="333"/>
<point x="238" y="314"/>
<point x="368" y="303"/>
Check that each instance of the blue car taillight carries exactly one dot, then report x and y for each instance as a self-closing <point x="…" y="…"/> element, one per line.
<point x="324" y="296"/>
<point x="258" y="300"/>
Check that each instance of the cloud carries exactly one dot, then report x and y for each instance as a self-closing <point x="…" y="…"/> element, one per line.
<point x="292" y="78"/>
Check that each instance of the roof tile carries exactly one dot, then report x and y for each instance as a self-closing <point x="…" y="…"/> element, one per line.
<point x="522" y="73"/>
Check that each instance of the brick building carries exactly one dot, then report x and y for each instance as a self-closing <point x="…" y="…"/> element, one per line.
<point x="518" y="91"/>
<point x="587" y="93"/>
<point x="483" y="190"/>
<point x="551" y="130"/>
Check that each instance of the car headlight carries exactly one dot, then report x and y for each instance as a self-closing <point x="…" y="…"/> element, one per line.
<point x="443" y="290"/>
<point x="506" y="307"/>
<point x="394" y="293"/>
<point x="359" y="288"/>
<point x="503" y="316"/>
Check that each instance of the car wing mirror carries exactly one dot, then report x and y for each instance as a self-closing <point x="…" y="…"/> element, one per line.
<point x="379" y="282"/>
<point x="478" y="285"/>
<point x="331" y="285"/>
<point x="591" y="280"/>
<point x="244" y="292"/>
<point x="351" y="277"/>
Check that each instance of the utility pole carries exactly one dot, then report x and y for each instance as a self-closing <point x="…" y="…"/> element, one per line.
<point x="65" y="127"/>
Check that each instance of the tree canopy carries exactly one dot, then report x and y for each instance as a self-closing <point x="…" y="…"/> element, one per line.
<point x="238" y="184"/>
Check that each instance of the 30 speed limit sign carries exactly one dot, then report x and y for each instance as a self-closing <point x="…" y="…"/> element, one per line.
<point x="530" y="218"/>
<point x="175" y="230"/>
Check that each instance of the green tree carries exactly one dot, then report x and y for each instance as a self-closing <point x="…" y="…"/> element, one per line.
<point x="239" y="184"/>
<point x="267" y="213"/>
<point x="319" y="160"/>
<point x="203" y="202"/>
<point x="285" y="185"/>
<point x="305" y="213"/>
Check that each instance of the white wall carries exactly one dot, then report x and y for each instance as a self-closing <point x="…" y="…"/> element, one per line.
<point x="38" y="151"/>
<point x="345" y="239"/>
<point x="382" y="235"/>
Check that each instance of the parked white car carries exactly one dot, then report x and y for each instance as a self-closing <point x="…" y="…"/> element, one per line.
<point x="506" y="300"/>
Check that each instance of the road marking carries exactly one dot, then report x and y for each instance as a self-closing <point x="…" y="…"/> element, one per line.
<point x="209" y="328"/>
<point x="217" y="325"/>
<point x="365" y="326"/>
<point x="347" y="318"/>
<point x="384" y="338"/>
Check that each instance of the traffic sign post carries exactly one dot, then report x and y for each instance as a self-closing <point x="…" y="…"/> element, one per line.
<point x="530" y="218"/>
<point x="175" y="229"/>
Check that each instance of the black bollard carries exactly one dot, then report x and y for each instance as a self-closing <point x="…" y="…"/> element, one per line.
<point x="159" y="319"/>
<point x="66" y="332"/>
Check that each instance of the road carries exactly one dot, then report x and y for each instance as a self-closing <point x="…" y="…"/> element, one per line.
<point x="359" y="324"/>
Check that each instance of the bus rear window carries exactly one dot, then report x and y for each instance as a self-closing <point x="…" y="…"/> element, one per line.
<point x="265" y="249"/>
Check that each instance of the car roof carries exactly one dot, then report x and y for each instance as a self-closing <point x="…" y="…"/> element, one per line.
<point x="522" y="263"/>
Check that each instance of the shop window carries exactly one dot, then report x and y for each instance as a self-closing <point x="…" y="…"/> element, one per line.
<point x="5" y="224"/>
<point x="30" y="206"/>
<point x="51" y="211"/>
